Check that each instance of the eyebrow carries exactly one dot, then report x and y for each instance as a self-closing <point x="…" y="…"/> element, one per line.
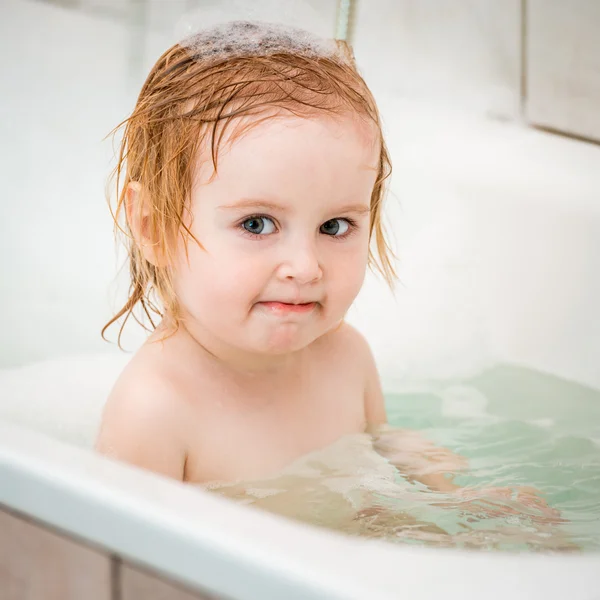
<point x="268" y="205"/>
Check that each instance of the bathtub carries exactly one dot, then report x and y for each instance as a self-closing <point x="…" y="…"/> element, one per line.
<point x="498" y="232"/>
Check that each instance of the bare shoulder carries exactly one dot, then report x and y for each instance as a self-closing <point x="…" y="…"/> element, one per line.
<point x="359" y="357"/>
<point x="144" y="418"/>
<point x="352" y="343"/>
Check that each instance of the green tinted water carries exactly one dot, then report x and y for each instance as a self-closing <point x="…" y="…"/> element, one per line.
<point x="519" y="427"/>
<point x="515" y="426"/>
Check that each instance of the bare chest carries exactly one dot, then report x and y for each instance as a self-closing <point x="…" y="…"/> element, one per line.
<point x="255" y="432"/>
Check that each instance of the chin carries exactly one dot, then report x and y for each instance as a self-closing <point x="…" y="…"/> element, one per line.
<point x="287" y="340"/>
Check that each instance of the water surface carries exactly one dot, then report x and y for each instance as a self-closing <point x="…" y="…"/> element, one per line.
<point x="515" y="426"/>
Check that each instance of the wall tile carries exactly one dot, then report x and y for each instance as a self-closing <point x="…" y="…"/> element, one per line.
<point x="563" y="65"/>
<point x="464" y="53"/>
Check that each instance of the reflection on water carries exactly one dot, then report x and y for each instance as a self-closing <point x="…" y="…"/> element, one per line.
<point x="516" y="427"/>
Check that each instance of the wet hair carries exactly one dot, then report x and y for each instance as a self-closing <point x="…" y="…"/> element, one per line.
<point x="188" y="101"/>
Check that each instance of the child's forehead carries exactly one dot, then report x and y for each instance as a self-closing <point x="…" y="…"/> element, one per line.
<point x="272" y="132"/>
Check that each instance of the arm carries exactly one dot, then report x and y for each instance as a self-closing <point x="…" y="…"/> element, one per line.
<point x="408" y="451"/>
<point x="421" y="460"/>
<point x="140" y="427"/>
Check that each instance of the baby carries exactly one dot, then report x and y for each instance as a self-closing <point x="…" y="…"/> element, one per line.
<point x="251" y="176"/>
<point x="252" y="190"/>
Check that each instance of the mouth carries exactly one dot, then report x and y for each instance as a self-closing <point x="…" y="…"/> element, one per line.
<point x="289" y="307"/>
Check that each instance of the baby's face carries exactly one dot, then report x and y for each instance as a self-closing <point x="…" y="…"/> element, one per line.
<point x="285" y="230"/>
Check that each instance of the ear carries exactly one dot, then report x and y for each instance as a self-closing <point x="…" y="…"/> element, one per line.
<point x="137" y="209"/>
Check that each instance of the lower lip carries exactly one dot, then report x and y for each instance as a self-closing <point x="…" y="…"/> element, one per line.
<point x="282" y="307"/>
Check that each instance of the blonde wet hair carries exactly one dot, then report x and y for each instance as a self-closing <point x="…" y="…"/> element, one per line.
<point x="188" y="102"/>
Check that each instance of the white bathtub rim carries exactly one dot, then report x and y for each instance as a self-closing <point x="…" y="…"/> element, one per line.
<point x="269" y="555"/>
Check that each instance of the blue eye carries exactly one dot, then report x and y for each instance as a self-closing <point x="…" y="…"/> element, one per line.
<point x="335" y="227"/>
<point x="259" y="225"/>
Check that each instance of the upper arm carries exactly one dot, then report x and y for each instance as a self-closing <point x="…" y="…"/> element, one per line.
<point x="374" y="404"/>
<point x="374" y="400"/>
<point x="140" y="425"/>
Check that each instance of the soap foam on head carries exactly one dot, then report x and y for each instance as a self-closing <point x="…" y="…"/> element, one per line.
<point x="253" y="38"/>
<point x="262" y="27"/>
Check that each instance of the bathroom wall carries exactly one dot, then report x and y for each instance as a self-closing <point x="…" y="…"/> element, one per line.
<point x="65" y="85"/>
<point x="536" y="60"/>
<point x="459" y="53"/>
<point x="563" y="66"/>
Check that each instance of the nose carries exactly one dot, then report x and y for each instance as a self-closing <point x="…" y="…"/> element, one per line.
<point x="300" y="263"/>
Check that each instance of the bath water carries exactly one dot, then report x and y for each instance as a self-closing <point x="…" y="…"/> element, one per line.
<point x="516" y="427"/>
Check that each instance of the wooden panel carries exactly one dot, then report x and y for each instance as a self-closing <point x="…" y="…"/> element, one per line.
<point x="563" y="66"/>
<point x="37" y="564"/>
<point x="137" y="584"/>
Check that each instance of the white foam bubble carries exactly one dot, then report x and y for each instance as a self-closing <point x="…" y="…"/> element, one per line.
<point x="61" y="397"/>
<point x="240" y="28"/>
<point x="254" y="38"/>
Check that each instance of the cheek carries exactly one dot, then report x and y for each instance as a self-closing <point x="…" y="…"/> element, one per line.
<point x="239" y="279"/>
<point x="220" y="277"/>
<point x="348" y="272"/>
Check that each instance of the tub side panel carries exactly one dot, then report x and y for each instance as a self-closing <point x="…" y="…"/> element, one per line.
<point x="38" y="564"/>
<point x="137" y="583"/>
